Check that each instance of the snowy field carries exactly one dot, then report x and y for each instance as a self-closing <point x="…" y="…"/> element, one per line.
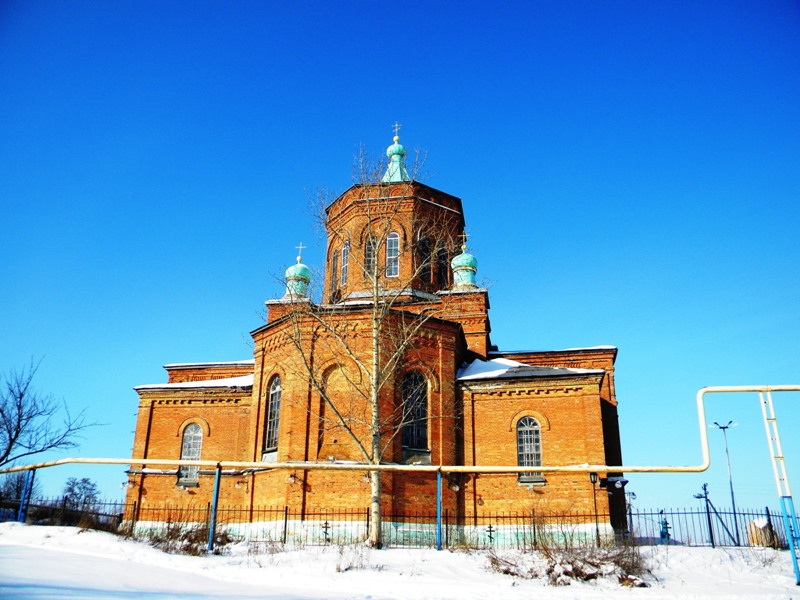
<point x="59" y="562"/>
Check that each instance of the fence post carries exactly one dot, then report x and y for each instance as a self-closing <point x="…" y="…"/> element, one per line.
<point x="212" y="526"/>
<point x="710" y="527"/>
<point x="447" y="527"/>
<point x="439" y="509"/>
<point x="285" y="523"/>
<point x="23" y="508"/>
<point x="134" y="513"/>
<point x="630" y="521"/>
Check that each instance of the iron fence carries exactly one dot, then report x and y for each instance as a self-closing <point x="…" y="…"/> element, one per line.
<point x="268" y="525"/>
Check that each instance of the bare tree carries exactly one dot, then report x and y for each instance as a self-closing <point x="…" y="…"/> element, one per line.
<point x="80" y="493"/>
<point x="29" y="420"/>
<point x="352" y="344"/>
<point x="13" y="484"/>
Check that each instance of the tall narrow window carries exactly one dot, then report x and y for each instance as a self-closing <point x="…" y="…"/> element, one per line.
<point x="415" y="411"/>
<point x="334" y="281"/>
<point x="191" y="444"/>
<point x="529" y="448"/>
<point x="370" y="251"/>
<point x="442" y="268"/>
<point x="393" y="255"/>
<point x="273" y="415"/>
<point x="424" y="260"/>
<point x="345" y="262"/>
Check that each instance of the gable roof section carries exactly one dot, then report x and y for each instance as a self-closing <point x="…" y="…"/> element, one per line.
<point x="503" y="368"/>
<point x="231" y="382"/>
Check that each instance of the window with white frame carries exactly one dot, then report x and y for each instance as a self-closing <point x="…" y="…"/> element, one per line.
<point x="273" y="415"/>
<point x="370" y="258"/>
<point x="191" y="445"/>
<point x="393" y="255"/>
<point x="345" y="262"/>
<point x="529" y="449"/>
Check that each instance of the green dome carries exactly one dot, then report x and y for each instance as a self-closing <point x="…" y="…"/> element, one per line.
<point x="465" y="259"/>
<point x="396" y="149"/>
<point x="298" y="277"/>
<point x="298" y="271"/>
<point x="396" y="169"/>
<point x="465" y="267"/>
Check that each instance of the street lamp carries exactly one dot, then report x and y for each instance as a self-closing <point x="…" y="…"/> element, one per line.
<point x="724" y="429"/>
<point x="593" y="479"/>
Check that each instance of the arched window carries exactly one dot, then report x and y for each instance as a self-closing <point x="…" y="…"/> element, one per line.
<point x="442" y="268"/>
<point x="393" y="255"/>
<point x="345" y="261"/>
<point x="424" y="260"/>
<point x="273" y="415"/>
<point x="529" y="448"/>
<point x="370" y="252"/>
<point x="415" y="411"/>
<point x="191" y="444"/>
<point x="334" y="281"/>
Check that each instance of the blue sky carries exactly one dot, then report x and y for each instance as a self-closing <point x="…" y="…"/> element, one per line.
<point x="629" y="173"/>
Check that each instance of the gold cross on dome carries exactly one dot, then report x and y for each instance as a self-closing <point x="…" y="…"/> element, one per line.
<point x="300" y="250"/>
<point x="464" y="235"/>
<point x="397" y="127"/>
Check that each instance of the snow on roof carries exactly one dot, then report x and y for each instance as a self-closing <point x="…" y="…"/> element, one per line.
<point x="231" y="382"/>
<point x="562" y="350"/>
<point x="503" y="368"/>
<point x="231" y="363"/>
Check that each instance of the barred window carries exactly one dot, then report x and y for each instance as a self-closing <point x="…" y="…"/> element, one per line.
<point x="393" y="255"/>
<point x="191" y="444"/>
<point x="273" y="415"/>
<point x="424" y="260"/>
<point x="370" y="250"/>
<point x="443" y="268"/>
<point x="529" y="448"/>
<point x="334" y="280"/>
<point x="345" y="261"/>
<point x="415" y="411"/>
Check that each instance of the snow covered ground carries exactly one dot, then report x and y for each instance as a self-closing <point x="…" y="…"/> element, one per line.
<point x="59" y="562"/>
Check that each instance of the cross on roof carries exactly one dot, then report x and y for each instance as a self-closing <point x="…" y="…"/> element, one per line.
<point x="397" y="127"/>
<point x="464" y="235"/>
<point x="300" y="251"/>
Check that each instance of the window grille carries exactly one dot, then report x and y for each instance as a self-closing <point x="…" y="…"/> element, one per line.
<point x="393" y="255"/>
<point x="415" y="411"/>
<point x="529" y="449"/>
<point x="424" y="260"/>
<point x="191" y="444"/>
<point x="370" y="250"/>
<point x="443" y="268"/>
<point x="334" y="271"/>
<point x="345" y="262"/>
<point x="273" y="415"/>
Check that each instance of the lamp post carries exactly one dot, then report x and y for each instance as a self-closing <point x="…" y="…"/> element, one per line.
<point x="724" y="429"/>
<point x="593" y="479"/>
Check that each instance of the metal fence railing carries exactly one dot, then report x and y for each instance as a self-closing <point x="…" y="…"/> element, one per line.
<point x="521" y="530"/>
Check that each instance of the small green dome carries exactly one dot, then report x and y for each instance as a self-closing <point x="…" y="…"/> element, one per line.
<point x="465" y="259"/>
<point x="396" y="149"/>
<point x="298" y="271"/>
<point x="396" y="169"/>
<point x="465" y="267"/>
<point x="298" y="277"/>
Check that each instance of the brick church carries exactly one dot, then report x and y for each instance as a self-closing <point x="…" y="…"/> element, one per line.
<point x="388" y="362"/>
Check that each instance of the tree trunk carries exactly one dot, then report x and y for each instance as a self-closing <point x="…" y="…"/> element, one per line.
<point x="376" y="514"/>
